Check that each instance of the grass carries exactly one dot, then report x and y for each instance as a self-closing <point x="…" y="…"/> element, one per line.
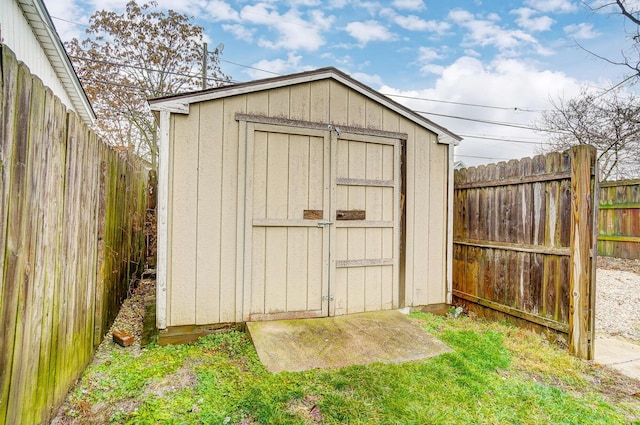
<point x="496" y="374"/>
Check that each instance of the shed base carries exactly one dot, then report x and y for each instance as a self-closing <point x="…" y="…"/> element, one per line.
<point x="189" y="333"/>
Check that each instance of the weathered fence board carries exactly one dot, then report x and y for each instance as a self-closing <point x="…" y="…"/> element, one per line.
<point x="523" y="238"/>
<point x="619" y="219"/>
<point x="51" y="166"/>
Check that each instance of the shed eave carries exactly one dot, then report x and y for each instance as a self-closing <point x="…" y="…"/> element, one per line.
<point x="178" y="101"/>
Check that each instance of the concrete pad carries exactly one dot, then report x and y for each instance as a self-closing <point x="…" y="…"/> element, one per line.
<point x="619" y="354"/>
<point x="364" y="338"/>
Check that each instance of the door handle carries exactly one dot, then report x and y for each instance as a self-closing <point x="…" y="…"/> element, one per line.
<point x="324" y="223"/>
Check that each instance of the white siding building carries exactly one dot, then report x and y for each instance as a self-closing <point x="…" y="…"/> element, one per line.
<point x="26" y="28"/>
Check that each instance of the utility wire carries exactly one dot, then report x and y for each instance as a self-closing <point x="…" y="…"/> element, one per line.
<point x="502" y="108"/>
<point x="142" y="68"/>
<point x="471" y="136"/>
<point x="480" y="157"/>
<point x="505" y="124"/>
<point x="247" y="66"/>
<point x="111" y="83"/>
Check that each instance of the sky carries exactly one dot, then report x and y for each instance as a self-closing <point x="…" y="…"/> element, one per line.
<point x="485" y="70"/>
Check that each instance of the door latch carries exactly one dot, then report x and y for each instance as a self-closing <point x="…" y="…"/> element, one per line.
<point x="327" y="298"/>
<point x="324" y="223"/>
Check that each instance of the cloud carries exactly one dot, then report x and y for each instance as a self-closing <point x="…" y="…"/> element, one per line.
<point x="221" y="11"/>
<point x="485" y="32"/>
<point x="526" y="19"/>
<point x="558" y="6"/>
<point x="293" y="32"/>
<point x="368" y="79"/>
<point x="581" y="31"/>
<point x="432" y="69"/>
<point x="240" y="32"/>
<point x="368" y="31"/>
<point x="70" y="12"/>
<point x="409" y="4"/>
<point x="277" y="66"/>
<point x="428" y="54"/>
<point x="414" y="23"/>
<point x="518" y="84"/>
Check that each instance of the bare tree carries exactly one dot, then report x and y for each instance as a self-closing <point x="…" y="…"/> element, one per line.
<point x="139" y="54"/>
<point x="610" y="122"/>
<point x="630" y="55"/>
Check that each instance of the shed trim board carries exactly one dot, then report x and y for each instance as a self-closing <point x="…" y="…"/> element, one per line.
<point x="179" y="101"/>
<point x="331" y="211"/>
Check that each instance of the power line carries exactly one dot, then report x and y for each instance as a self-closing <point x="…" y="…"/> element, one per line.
<point x="111" y="83"/>
<point x="480" y="157"/>
<point x="142" y="68"/>
<point x="500" y="139"/>
<point x="523" y="126"/>
<point x="450" y="102"/>
<point x="247" y="66"/>
<point x="505" y="124"/>
<point x="70" y="22"/>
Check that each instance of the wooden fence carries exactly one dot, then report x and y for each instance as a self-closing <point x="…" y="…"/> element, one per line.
<point x="523" y="238"/>
<point x="619" y="219"/>
<point x="71" y="221"/>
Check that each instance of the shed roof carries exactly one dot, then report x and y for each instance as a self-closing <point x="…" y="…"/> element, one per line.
<point x="42" y="26"/>
<point x="180" y="103"/>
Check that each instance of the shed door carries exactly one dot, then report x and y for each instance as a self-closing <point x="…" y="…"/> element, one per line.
<point x="323" y="222"/>
<point x="367" y="229"/>
<point x="289" y="265"/>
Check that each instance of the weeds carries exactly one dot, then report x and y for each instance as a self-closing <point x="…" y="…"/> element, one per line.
<point x="495" y="374"/>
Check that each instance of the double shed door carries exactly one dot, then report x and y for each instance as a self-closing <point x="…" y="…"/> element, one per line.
<point x="322" y="221"/>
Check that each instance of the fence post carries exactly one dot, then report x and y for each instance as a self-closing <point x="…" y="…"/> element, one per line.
<point x="581" y="280"/>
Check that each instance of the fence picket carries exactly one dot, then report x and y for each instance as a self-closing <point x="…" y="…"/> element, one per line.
<point x="50" y="164"/>
<point x="519" y="265"/>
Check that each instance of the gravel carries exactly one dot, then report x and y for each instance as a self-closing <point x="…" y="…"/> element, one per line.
<point x="618" y="297"/>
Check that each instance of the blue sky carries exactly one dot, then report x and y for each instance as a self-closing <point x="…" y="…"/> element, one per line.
<point x="481" y="61"/>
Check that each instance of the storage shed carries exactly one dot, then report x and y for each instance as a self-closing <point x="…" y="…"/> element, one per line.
<point x="306" y="195"/>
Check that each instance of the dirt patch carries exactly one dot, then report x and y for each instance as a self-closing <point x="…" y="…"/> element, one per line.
<point x="623" y="264"/>
<point x="130" y="319"/>
<point x="181" y="378"/>
<point x="307" y="408"/>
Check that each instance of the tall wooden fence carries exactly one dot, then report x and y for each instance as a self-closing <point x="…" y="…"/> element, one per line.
<point x="619" y="219"/>
<point x="523" y="238"/>
<point x="71" y="234"/>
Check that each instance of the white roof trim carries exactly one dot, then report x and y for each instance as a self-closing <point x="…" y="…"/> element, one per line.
<point x="177" y="103"/>
<point x="42" y="26"/>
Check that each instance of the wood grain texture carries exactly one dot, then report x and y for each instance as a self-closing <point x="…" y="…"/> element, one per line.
<point x="73" y="242"/>
<point x="619" y="219"/>
<point x="514" y="250"/>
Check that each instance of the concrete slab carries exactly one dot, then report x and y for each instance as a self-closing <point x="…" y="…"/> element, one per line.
<point x="619" y="354"/>
<point x="304" y="344"/>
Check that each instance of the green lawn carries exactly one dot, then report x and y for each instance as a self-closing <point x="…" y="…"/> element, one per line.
<point x="496" y="374"/>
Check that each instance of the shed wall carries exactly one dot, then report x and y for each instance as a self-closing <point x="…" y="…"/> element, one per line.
<point x="204" y="276"/>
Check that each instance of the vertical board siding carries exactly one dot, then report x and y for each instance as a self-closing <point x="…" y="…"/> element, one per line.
<point x="222" y="264"/>
<point x="209" y="208"/>
<point x="185" y="194"/>
<point x="59" y="289"/>
<point x="512" y="239"/>
<point x="619" y="219"/>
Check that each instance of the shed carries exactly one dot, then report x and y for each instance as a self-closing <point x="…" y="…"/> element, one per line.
<point x="306" y="195"/>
